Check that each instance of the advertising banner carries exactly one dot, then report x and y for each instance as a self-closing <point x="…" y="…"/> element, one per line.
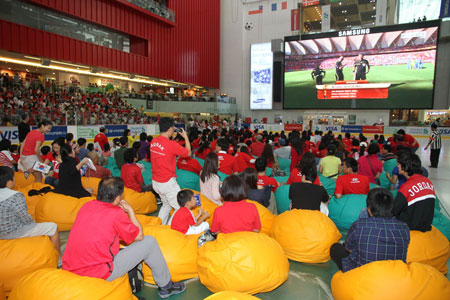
<point x="381" y="12"/>
<point x="295" y="19"/>
<point x="373" y="129"/>
<point x="388" y="131"/>
<point x="291" y="127"/>
<point x="10" y="133"/>
<point x="445" y="9"/>
<point x="351" y="128"/>
<point x="267" y="127"/>
<point x="418" y="131"/>
<point x="261" y="74"/>
<point x="88" y="132"/>
<point x="334" y="128"/>
<point x="310" y="2"/>
<point x="326" y="18"/>
<point x="137" y="129"/>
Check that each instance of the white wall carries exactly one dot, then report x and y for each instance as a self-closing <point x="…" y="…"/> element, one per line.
<point x="235" y="57"/>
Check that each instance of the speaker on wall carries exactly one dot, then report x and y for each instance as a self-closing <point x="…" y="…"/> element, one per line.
<point x="45" y="62"/>
<point x="278" y="77"/>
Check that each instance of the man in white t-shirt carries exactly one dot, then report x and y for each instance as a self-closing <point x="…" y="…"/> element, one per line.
<point x="284" y="151"/>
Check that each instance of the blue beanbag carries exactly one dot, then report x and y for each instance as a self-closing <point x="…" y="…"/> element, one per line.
<point x="188" y="180"/>
<point x="328" y="184"/>
<point x="201" y="161"/>
<point x="346" y="210"/>
<point x="282" y="198"/>
<point x="284" y="163"/>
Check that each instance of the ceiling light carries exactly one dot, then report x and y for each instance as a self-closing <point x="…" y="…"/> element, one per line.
<point x="31" y="57"/>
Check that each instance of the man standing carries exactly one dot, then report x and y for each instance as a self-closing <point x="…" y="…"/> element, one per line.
<point x="93" y="250"/>
<point x="436" y="144"/>
<point x="101" y="138"/>
<point x="23" y="128"/>
<point x="339" y="68"/>
<point x="163" y="153"/>
<point x="362" y="67"/>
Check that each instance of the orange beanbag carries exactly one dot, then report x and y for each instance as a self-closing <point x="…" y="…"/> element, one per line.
<point x="246" y="262"/>
<point x="230" y="296"/>
<point x="2" y="292"/>
<point x="60" y="209"/>
<point x="390" y="279"/>
<point x="431" y="248"/>
<point x="32" y="201"/>
<point x="20" y="257"/>
<point x="56" y="284"/>
<point x="142" y="203"/>
<point x="179" y="250"/>
<point x="91" y="183"/>
<point x="148" y="220"/>
<point x="305" y="235"/>
<point x="206" y="205"/>
<point x="21" y="181"/>
<point x="266" y="217"/>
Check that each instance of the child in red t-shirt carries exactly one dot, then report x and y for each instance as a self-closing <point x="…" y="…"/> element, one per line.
<point x="131" y="173"/>
<point x="184" y="220"/>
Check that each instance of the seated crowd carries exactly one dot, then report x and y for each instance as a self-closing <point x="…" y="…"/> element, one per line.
<point x="242" y="158"/>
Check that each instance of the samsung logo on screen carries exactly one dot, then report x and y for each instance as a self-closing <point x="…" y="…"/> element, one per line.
<point x="354" y="32"/>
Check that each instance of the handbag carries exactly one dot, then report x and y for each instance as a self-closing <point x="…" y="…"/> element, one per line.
<point x="377" y="179"/>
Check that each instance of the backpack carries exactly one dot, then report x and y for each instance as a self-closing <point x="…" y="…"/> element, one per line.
<point x="136" y="278"/>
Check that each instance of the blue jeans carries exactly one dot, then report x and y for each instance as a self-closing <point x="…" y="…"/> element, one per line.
<point x="52" y="181"/>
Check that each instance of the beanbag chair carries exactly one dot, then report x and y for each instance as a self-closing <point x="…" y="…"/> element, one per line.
<point x="284" y="163"/>
<point x="384" y="181"/>
<point x="305" y="235"/>
<point x="221" y="175"/>
<point x="230" y="296"/>
<point x="147" y="174"/>
<point x="20" y="257"/>
<point x="201" y="161"/>
<point x="142" y="203"/>
<point x="148" y="220"/>
<point x="328" y="184"/>
<point x="431" y="248"/>
<point x="442" y="223"/>
<point x="21" y="181"/>
<point x="389" y="165"/>
<point x="2" y="292"/>
<point x="188" y="180"/>
<point x="179" y="250"/>
<point x="91" y="183"/>
<point x="390" y="280"/>
<point x="57" y="284"/>
<point x="111" y="165"/>
<point x="345" y="210"/>
<point x="265" y="216"/>
<point x="60" y="209"/>
<point x="282" y="198"/>
<point x="244" y="262"/>
<point x="207" y="205"/>
<point x="32" y="201"/>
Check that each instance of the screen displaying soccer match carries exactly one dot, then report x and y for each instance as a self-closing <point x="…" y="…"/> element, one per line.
<point x="380" y="67"/>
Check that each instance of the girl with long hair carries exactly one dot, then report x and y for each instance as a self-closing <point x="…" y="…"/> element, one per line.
<point x="209" y="180"/>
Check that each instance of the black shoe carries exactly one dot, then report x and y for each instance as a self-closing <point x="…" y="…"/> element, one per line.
<point x="175" y="288"/>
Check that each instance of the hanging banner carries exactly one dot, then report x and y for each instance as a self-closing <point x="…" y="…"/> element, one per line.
<point x="326" y="17"/>
<point x="295" y="19"/>
<point x="445" y="9"/>
<point x="381" y="12"/>
<point x="291" y="127"/>
<point x="373" y="129"/>
<point x="310" y="2"/>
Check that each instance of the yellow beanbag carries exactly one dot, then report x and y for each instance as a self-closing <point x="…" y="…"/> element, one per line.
<point x="391" y="279"/>
<point x="91" y="183"/>
<point x="142" y="203"/>
<point x="179" y="250"/>
<point x="54" y="284"/>
<point x="266" y="217"/>
<point x="60" y="209"/>
<point x="431" y="248"/>
<point x="207" y="205"/>
<point x="244" y="262"/>
<point x="305" y="235"/>
<point x="2" y="292"/>
<point x="21" y="181"/>
<point x="148" y="220"/>
<point x="20" y="257"/>
<point x="32" y="201"/>
<point x="231" y="296"/>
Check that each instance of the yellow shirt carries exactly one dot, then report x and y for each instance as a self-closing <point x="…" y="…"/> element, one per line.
<point x="330" y="165"/>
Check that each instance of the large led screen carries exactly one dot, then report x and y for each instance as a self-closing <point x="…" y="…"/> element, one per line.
<point x="381" y="67"/>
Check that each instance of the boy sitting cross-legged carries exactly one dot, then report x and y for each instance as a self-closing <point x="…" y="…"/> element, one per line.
<point x="183" y="220"/>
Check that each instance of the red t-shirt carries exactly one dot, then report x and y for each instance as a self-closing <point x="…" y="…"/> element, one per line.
<point x="266" y="180"/>
<point x="409" y="141"/>
<point x="352" y="184"/>
<point x="365" y="169"/>
<point x="296" y="176"/>
<point x="55" y="164"/>
<point x="182" y="219"/>
<point x="101" y="139"/>
<point x="213" y="145"/>
<point x="203" y="154"/>
<point x="256" y="148"/>
<point x="189" y="164"/>
<point x="132" y="176"/>
<point x="236" y="216"/>
<point x="32" y="138"/>
<point x="91" y="248"/>
<point x="163" y="154"/>
<point x="227" y="163"/>
<point x="243" y="161"/>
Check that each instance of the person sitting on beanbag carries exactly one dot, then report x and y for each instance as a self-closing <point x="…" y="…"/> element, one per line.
<point x="378" y="237"/>
<point x="351" y="182"/>
<point x="183" y="220"/>
<point x="236" y="214"/>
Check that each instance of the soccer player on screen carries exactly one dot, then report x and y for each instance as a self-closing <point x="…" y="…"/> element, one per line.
<point x="339" y="67"/>
<point x="362" y="67"/>
<point x="318" y="74"/>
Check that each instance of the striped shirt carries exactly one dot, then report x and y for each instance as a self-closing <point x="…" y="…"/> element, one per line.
<point x="435" y="138"/>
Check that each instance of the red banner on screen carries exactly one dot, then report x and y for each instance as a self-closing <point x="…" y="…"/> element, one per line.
<point x="373" y="129"/>
<point x="291" y="127"/>
<point x="358" y="89"/>
<point x="310" y="2"/>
